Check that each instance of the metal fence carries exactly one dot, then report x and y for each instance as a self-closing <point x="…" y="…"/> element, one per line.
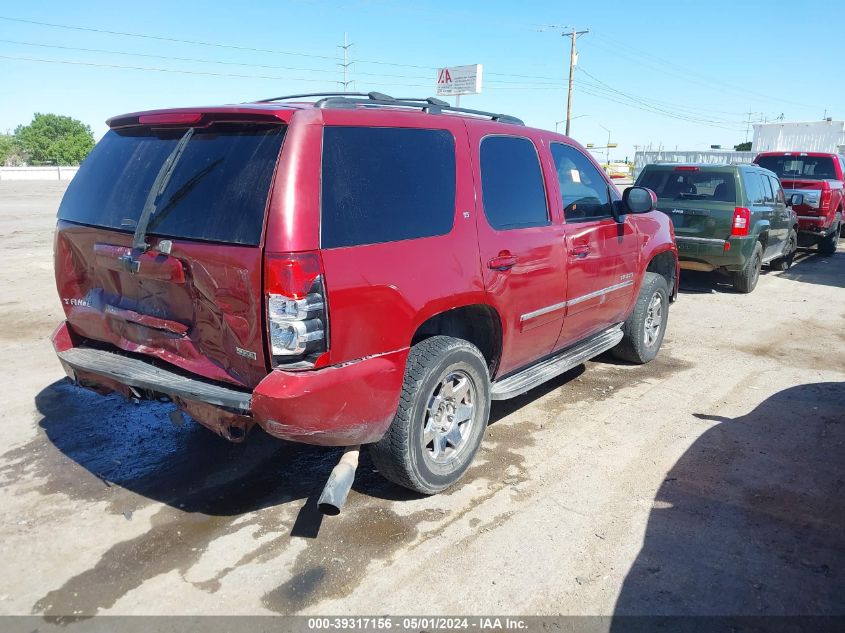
<point x="643" y="158"/>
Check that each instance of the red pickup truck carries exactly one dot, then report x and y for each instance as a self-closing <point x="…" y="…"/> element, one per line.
<point x="820" y="178"/>
<point x="347" y="269"/>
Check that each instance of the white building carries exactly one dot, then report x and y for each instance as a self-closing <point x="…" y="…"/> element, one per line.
<point x="800" y="136"/>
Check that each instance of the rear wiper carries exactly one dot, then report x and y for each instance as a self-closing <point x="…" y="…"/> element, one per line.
<point x="182" y="192"/>
<point x="139" y="239"/>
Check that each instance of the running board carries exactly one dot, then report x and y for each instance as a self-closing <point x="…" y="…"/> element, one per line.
<point x="530" y="377"/>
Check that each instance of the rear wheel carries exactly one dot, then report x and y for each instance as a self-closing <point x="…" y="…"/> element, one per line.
<point x="746" y="279"/>
<point x="827" y="245"/>
<point x="441" y="419"/>
<point x="785" y="261"/>
<point x="643" y="330"/>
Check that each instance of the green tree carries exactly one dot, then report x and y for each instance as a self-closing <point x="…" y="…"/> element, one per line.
<point x="743" y="147"/>
<point x="7" y="146"/>
<point x="52" y="138"/>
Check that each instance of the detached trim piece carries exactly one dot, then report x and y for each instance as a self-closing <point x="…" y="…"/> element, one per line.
<point x="530" y="377"/>
<point x="142" y="375"/>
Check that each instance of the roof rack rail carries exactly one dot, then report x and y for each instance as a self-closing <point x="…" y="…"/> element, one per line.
<point x="431" y="105"/>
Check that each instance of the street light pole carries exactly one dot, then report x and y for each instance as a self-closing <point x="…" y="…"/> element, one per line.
<point x="607" y="153"/>
<point x="573" y="60"/>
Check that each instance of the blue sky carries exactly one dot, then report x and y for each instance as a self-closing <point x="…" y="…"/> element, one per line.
<point x="670" y="73"/>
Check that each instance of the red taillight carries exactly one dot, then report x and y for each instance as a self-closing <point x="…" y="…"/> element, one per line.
<point x="687" y="168"/>
<point x="824" y="200"/>
<point x="742" y="218"/>
<point x="291" y="274"/>
<point x="297" y="319"/>
<point x="170" y="118"/>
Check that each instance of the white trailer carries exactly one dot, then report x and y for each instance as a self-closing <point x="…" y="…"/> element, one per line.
<point x="800" y="136"/>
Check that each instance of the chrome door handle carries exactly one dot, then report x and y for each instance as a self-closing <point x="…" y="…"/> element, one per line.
<point x="503" y="262"/>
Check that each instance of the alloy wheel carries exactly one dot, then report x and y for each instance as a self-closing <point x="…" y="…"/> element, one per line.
<point x="449" y="418"/>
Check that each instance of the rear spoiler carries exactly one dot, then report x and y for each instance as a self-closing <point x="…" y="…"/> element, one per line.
<point x="193" y="118"/>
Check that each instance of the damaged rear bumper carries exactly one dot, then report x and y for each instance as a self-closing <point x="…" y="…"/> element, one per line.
<point x="341" y="405"/>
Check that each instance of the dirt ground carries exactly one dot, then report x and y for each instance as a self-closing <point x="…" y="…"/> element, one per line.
<point x="707" y="482"/>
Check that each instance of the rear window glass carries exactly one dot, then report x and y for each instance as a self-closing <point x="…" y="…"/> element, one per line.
<point x="386" y="184"/>
<point x="713" y="186"/>
<point x="218" y="190"/>
<point x="816" y="167"/>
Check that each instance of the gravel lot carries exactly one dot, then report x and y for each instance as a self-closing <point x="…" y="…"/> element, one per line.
<point x="708" y="482"/>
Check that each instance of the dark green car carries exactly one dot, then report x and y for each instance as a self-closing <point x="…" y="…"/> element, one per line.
<point x="730" y="218"/>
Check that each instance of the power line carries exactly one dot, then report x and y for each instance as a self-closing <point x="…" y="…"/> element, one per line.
<point x="182" y="72"/>
<point x="666" y="107"/>
<point x="199" y="60"/>
<point x="685" y="73"/>
<point x="238" y="47"/>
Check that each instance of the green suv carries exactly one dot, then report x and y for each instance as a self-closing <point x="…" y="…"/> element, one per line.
<point x="730" y="218"/>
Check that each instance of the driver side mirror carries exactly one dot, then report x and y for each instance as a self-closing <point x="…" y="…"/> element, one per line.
<point x="639" y="200"/>
<point x="795" y="200"/>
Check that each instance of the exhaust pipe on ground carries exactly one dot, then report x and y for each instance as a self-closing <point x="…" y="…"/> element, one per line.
<point x="340" y="482"/>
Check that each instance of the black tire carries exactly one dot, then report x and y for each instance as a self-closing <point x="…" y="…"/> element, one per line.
<point x="746" y="279"/>
<point x="827" y="245"/>
<point x="784" y="262"/>
<point x="639" y="345"/>
<point x="401" y="455"/>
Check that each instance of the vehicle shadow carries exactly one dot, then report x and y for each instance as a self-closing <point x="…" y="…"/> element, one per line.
<point x="135" y="446"/>
<point x="808" y="267"/>
<point x="812" y="268"/>
<point x="698" y="282"/>
<point x="751" y="519"/>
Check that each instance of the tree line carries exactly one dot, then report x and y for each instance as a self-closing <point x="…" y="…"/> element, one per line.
<point x="50" y="139"/>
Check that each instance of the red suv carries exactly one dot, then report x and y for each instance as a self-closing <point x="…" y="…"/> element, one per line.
<point x="350" y="269"/>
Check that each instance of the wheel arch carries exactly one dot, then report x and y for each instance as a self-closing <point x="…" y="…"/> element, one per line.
<point x="477" y="323"/>
<point x="665" y="263"/>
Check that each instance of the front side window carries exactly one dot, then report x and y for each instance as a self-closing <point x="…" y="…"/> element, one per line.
<point x="512" y="186"/>
<point x="583" y="189"/>
<point x="386" y="184"/>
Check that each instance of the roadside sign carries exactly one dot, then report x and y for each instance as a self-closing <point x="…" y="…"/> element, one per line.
<point x="454" y="81"/>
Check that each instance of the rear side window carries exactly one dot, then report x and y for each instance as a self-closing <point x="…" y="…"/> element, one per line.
<point x="710" y="186"/>
<point x="386" y="184"/>
<point x="512" y="183"/>
<point x="768" y="192"/>
<point x="754" y="188"/>
<point x="218" y="190"/>
<point x="779" y="196"/>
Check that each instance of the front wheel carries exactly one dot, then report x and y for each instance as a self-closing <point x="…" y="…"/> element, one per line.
<point x="643" y="330"/>
<point x="441" y="419"/>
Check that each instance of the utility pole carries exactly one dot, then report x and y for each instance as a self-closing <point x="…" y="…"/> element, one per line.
<point x="573" y="61"/>
<point x="748" y="124"/>
<point x="346" y="63"/>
